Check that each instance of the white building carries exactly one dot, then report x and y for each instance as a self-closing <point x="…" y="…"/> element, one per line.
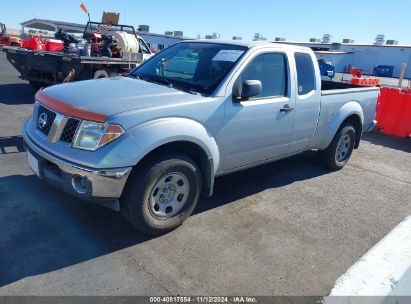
<point x="158" y="42"/>
<point x="363" y="56"/>
<point x="341" y="55"/>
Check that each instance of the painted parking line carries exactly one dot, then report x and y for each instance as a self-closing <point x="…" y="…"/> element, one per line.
<point x="383" y="271"/>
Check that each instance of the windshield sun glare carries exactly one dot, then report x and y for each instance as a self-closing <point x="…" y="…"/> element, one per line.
<point x="197" y="67"/>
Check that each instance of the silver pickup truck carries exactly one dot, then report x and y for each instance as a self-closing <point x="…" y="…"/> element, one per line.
<point x="151" y="143"/>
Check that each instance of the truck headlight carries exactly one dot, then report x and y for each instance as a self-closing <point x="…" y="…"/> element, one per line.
<point x="93" y="135"/>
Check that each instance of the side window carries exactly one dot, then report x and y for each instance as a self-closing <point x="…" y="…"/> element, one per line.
<point x="143" y="47"/>
<point x="271" y="70"/>
<point x="305" y="73"/>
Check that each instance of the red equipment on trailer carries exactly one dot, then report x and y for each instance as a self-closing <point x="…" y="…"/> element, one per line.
<point x="8" y="40"/>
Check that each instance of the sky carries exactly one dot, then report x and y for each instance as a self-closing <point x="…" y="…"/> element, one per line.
<point x="295" y="20"/>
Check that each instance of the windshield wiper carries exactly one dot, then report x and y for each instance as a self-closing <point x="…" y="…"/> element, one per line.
<point x="168" y="83"/>
<point x="160" y="81"/>
<point x="138" y="76"/>
<point x="184" y="88"/>
<point x="152" y="79"/>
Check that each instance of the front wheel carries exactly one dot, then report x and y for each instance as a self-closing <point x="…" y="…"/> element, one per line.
<point x="337" y="154"/>
<point x="162" y="193"/>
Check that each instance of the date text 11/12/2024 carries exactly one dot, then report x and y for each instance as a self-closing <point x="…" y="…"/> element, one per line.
<point x="203" y="299"/>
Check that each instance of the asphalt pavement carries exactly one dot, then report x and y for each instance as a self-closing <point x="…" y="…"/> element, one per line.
<point x="286" y="228"/>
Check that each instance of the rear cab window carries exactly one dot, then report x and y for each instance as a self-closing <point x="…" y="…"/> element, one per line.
<point x="305" y="73"/>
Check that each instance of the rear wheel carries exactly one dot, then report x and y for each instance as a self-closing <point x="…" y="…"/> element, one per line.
<point x="100" y="74"/>
<point x="337" y="154"/>
<point x="162" y="193"/>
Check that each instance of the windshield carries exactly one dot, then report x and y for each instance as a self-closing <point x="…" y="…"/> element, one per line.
<point x="198" y="67"/>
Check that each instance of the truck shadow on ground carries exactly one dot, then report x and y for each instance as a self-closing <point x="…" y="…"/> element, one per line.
<point x="11" y="144"/>
<point x="245" y="183"/>
<point x="43" y="229"/>
<point x="397" y="143"/>
<point x="16" y="93"/>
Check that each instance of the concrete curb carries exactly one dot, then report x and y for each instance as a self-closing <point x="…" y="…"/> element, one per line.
<point x="384" y="271"/>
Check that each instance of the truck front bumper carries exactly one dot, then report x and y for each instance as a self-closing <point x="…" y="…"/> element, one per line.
<point x="103" y="186"/>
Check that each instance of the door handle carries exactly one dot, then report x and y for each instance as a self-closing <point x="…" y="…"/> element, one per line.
<point x="286" y="108"/>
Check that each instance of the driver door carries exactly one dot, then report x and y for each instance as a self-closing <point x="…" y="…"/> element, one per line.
<point x="260" y="128"/>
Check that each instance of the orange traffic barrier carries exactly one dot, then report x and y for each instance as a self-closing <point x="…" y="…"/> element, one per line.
<point x="394" y="111"/>
<point x="370" y="82"/>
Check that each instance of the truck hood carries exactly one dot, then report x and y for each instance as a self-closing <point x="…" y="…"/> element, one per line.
<point x="110" y="96"/>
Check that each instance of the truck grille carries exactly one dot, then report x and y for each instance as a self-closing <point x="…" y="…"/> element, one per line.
<point x="47" y="117"/>
<point x="70" y="130"/>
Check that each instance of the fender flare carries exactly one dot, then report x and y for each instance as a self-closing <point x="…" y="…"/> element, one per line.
<point x="348" y="109"/>
<point x="156" y="133"/>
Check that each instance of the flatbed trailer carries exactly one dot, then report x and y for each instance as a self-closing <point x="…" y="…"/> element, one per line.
<point x="42" y="68"/>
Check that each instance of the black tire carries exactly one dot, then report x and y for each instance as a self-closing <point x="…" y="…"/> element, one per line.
<point x="37" y="85"/>
<point x="331" y="157"/>
<point x="100" y="74"/>
<point x="135" y="201"/>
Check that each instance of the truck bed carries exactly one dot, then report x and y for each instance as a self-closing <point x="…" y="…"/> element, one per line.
<point x="336" y="95"/>
<point x="333" y="85"/>
<point x="338" y="88"/>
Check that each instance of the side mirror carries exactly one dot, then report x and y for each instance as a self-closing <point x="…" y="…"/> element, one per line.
<point x="248" y="89"/>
